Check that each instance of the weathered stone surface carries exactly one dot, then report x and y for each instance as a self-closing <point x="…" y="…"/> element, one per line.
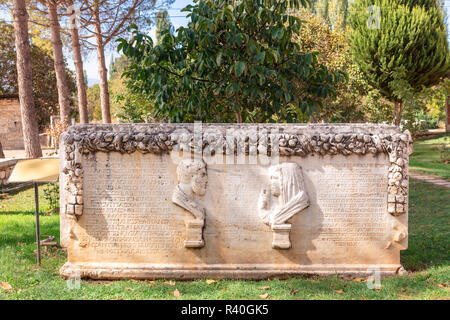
<point x="332" y="199"/>
<point x="6" y="167"/>
<point x="11" y="134"/>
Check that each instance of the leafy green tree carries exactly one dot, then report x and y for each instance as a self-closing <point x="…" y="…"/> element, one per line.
<point x="127" y="106"/>
<point x="333" y="52"/>
<point x="44" y="77"/>
<point x="93" y="102"/>
<point x="235" y="61"/>
<point x="405" y="49"/>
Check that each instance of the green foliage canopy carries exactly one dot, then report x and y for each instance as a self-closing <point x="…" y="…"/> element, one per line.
<point x="409" y="47"/>
<point x="232" y="62"/>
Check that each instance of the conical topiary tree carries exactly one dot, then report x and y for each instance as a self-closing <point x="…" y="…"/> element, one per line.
<point x="399" y="42"/>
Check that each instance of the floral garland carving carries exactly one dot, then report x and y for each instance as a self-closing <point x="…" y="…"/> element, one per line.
<point x="398" y="146"/>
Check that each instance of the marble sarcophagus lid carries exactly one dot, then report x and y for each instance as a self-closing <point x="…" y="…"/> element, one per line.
<point x="187" y="201"/>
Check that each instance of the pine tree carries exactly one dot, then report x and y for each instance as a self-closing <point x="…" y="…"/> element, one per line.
<point x="25" y="81"/>
<point x="399" y="44"/>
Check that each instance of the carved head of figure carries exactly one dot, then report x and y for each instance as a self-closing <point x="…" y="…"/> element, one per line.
<point x="286" y="180"/>
<point x="274" y="181"/>
<point x="193" y="172"/>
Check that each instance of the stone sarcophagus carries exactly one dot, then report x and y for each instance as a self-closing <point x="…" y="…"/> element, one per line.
<point x="233" y="201"/>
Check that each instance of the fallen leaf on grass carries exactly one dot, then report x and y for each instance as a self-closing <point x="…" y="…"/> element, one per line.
<point x="5" y="286"/>
<point x="264" y="288"/>
<point x="264" y="296"/>
<point x="208" y="282"/>
<point x="293" y="291"/>
<point x="359" y="280"/>
<point x="339" y="291"/>
<point x="177" y="293"/>
<point x="128" y="288"/>
<point x="170" y="283"/>
<point x="404" y="297"/>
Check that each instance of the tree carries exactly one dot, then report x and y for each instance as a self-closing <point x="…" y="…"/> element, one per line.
<point x="58" y="56"/>
<point x="93" y="102"/>
<point x="321" y="8"/>
<point x="44" y="79"/>
<point x="109" y="20"/>
<point x="126" y="105"/>
<point x="42" y="38"/>
<point x="162" y="23"/>
<point x="409" y="50"/>
<point x="333" y="12"/>
<point x="333" y="52"/>
<point x="230" y="63"/>
<point x="337" y="13"/>
<point x="24" y="76"/>
<point x="78" y="61"/>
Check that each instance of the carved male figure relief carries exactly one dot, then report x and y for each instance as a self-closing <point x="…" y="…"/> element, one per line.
<point x="192" y="182"/>
<point x="284" y="198"/>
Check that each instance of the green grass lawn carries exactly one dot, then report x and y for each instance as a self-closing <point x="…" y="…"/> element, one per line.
<point x="427" y="259"/>
<point x="427" y="156"/>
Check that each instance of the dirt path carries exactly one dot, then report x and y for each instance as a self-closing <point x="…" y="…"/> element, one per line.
<point x="436" y="180"/>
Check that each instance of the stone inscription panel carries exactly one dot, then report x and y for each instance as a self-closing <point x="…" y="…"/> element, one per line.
<point x="352" y="198"/>
<point x="127" y="206"/>
<point x="347" y="218"/>
<point x="129" y="216"/>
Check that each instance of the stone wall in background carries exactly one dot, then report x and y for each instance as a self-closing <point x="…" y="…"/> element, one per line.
<point x="11" y="134"/>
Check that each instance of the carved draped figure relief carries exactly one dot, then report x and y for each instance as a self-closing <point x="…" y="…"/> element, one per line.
<point x="192" y="183"/>
<point x="284" y="197"/>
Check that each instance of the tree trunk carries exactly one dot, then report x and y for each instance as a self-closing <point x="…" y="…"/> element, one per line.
<point x="322" y="9"/>
<point x="447" y="114"/>
<point x="102" y="71"/>
<point x="81" y="84"/>
<point x="398" y="110"/>
<point x="60" y="66"/>
<point x="25" y="81"/>
<point x="238" y="116"/>
<point x="2" y="155"/>
<point x="342" y="14"/>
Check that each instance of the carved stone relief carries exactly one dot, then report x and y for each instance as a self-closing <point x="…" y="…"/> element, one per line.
<point x="399" y="232"/>
<point x="397" y="146"/>
<point x="281" y="200"/>
<point x="344" y="189"/>
<point x="192" y="182"/>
